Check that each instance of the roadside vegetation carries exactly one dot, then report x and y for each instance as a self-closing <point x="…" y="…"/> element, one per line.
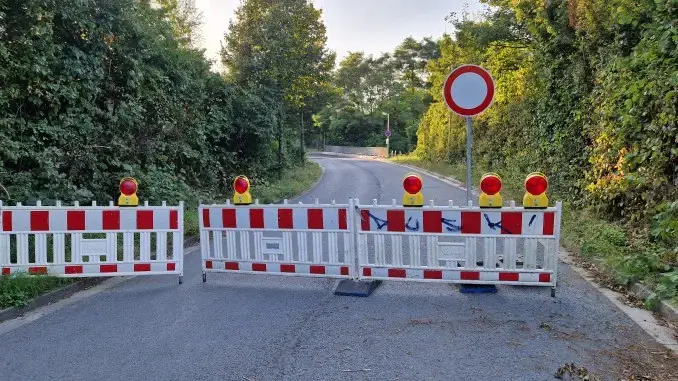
<point x="95" y="91"/>
<point x="586" y="94"/>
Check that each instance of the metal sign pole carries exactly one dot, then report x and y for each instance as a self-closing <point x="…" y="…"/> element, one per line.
<point x="469" y="139"/>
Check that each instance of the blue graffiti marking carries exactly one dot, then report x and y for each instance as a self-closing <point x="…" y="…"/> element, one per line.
<point x="495" y="225"/>
<point x="451" y="226"/>
<point x="414" y="228"/>
<point x="534" y="216"/>
<point x="380" y="223"/>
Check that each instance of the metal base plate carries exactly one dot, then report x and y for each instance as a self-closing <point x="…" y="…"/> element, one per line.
<point x="477" y="288"/>
<point x="349" y="287"/>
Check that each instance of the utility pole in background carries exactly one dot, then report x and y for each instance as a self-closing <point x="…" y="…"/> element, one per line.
<point x="388" y="134"/>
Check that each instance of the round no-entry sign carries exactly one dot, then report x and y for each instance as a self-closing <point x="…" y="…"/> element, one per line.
<point x="469" y="90"/>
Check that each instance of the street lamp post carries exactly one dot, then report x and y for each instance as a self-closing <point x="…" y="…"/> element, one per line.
<point x="388" y="134"/>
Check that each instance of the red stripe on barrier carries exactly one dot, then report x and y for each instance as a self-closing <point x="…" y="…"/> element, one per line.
<point x="397" y="273"/>
<point x="470" y="275"/>
<point x="344" y="270"/>
<point x="75" y="220"/>
<point x="174" y="219"/>
<point x="511" y="223"/>
<point x="206" y="218"/>
<point x="256" y="218"/>
<point x="235" y="266"/>
<point x="171" y="267"/>
<point x="365" y="220"/>
<point x="433" y="221"/>
<point x="6" y="221"/>
<point x="6" y="271"/>
<point x="111" y="220"/>
<point x="39" y="221"/>
<point x="145" y="220"/>
<point x="433" y="274"/>
<point x="208" y="264"/>
<point x="317" y="270"/>
<point x="343" y="224"/>
<point x="396" y="220"/>
<point x="288" y="268"/>
<point x="549" y="222"/>
<point x="108" y="268"/>
<point x="285" y="219"/>
<point x="509" y="277"/>
<point x="73" y="269"/>
<point x="470" y="222"/>
<point x="315" y="219"/>
<point x="367" y="271"/>
<point x="545" y="278"/>
<point x="142" y="267"/>
<point x="37" y="270"/>
<point x="228" y="218"/>
<point x="258" y="267"/>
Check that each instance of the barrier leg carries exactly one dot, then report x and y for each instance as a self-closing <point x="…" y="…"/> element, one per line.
<point x="355" y="286"/>
<point x="204" y="277"/>
<point x="351" y="287"/>
<point x="553" y="292"/>
<point x="181" y="279"/>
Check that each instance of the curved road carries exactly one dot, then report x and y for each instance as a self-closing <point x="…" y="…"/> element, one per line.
<point x="255" y="328"/>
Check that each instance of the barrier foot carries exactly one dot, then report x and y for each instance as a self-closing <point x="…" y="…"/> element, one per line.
<point x="553" y="292"/>
<point x="477" y="288"/>
<point x="181" y="279"/>
<point x="349" y="287"/>
<point x="204" y="277"/>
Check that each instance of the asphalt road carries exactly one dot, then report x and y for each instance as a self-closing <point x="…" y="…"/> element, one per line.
<point x="250" y="327"/>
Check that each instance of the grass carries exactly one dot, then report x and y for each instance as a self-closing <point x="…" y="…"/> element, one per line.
<point x="625" y="259"/>
<point x="17" y="290"/>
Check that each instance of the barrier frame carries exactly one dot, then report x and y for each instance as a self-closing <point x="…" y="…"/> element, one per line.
<point x="33" y="229"/>
<point x="243" y="227"/>
<point x="474" y="274"/>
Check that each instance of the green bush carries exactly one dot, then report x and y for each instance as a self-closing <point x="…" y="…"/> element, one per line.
<point x="17" y="290"/>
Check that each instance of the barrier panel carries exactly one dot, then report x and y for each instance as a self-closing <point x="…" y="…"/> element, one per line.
<point x="470" y="245"/>
<point x="92" y="241"/>
<point x="301" y="240"/>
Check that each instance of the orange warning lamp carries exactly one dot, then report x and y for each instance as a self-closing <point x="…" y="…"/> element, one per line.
<point x="128" y="192"/>
<point x="413" y="196"/>
<point x="241" y="186"/>
<point x="490" y="185"/>
<point x="536" y="185"/>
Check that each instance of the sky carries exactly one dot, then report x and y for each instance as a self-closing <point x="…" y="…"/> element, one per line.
<point x="372" y="26"/>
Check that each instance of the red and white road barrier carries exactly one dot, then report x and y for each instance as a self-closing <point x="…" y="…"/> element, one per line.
<point x="58" y="240"/>
<point x="459" y="244"/>
<point x="301" y="240"/>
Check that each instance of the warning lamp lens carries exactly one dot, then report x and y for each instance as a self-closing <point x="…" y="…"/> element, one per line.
<point x="412" y="184"/>
<point x="536" y="185"/>
<point x="490" y="185"/>
<point x="240" y="185"/>
<point x="128" y="187"/>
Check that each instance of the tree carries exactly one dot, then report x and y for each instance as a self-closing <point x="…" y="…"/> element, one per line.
<point x="279" y="47"/>
<point x="186" y="20"/>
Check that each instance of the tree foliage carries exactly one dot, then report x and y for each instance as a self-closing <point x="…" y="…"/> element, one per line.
<point x="93" y="91"/>
<point x="367" y="87"/>
<point x="280" y="48"/>
<point x="585" y="93"/>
